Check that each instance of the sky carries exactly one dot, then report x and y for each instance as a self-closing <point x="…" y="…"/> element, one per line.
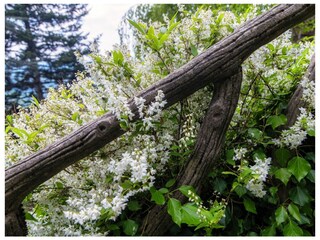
<point x="104" y="19"/>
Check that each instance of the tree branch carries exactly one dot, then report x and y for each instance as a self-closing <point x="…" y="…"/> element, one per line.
<point x="296" y="101"/>
<point x="209" y="144"/>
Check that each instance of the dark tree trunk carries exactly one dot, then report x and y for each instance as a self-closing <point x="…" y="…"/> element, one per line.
<point x="209" y="144"/>
<point x="219" y="62"/>
<point x="296" y="100"/>
<point x="293" y="111"/>
<point x="15" y="222"/>
<point x="298" y="32"/>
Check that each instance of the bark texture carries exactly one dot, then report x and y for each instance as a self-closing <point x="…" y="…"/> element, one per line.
<point x="292" y="114"/>
<point x="296" y="100"/>
<point x="15" y="222"/>
<point x="209" y="144"/>
<point x="220" y="61"/>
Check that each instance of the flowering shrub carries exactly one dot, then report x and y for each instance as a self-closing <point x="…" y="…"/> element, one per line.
<point x="102" y="193"/>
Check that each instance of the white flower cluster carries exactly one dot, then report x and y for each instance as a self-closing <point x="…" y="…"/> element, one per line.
<point x="228" y="21"/>
<point x="239" y="153"/>
<point x="130" y="173"/>
<point x="308" y="94"/>
<point x="195" y="199"/>
<point x="296" y="134"/>
<point x="202" y="211"/>
<point x="277" y="63"/>
<point x="260" y="171"/>
<point x="188" y="132"/>
<point x="152" y="112"/>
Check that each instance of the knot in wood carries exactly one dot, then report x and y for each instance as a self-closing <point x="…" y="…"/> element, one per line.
<point x="102" y="128"/>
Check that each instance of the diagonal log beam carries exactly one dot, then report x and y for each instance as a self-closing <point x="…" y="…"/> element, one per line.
<point x="296" y="101"/>
<point x="209" y="144"/>
<point x="219" y="62"/>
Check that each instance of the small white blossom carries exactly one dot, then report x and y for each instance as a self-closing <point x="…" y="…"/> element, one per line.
<point x="239" y="153"/>
<point x="260" y="170"/>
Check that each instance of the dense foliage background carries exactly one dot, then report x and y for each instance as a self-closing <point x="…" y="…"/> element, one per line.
<point x="264" y="181"/>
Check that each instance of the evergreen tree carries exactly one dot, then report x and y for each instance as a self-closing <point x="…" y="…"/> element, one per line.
<point x="40" y="40"/>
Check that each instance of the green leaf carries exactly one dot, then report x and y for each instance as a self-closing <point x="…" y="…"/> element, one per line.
<point x="163" y="190"/>
<point x="240" y="190"/>
<point x="259" y="153"/>
<point x="269" y="231"/>
<point x="217" y="216"/>
<point x="219" y="19"/>
<point x="97" y="59"/>
<point x="109" y="179"/>
<point x="249" y="205"/>
<point x="271" y="47"/>
<point x="19" y="132"/>
<point x="126" y="184"/>
<point x="170" y="183"/>
<point x="254" y="133"/>
<point x="105" y="214"/>
<point x="184" y="189"/>
<point x="9" y="119"/>
<point x="137" y="26"/>
<point x="75" y="116"/>
<point x="194" y="50"/>
<point x="305" y="220"/>
<point x="283" y="174"/>
<point x="173" y="24"/>
<point x="35" y="101"/>
<point x="59" y="185"/>
<point x="284" y="50"/>
<point x="311" y="132"/>
<point x="30" y="217"/>
<point x="40" y="211"/>
<point x="273" y="191"/>
<point x="250" y="234"/>
<point x="134" y="205"/>
<point x="229" y="157"/>
<point x="130" y="227"/>
<point x="113" y="227"/>
<point x="299" y="167"/>
<point x="174" y="209"/>
<point x="229" y="173"/>
<point x="219" y="185"/>
<point x="276" y="121"/>
<point x="117" y="57"/>
<point x="201" y="225"/>
<point x="292" y="229"/>
<point x="163" y="38"/>
<point x="294" y="211"/>
<point x="281" y="215"/>
<point x="310" y="156"/>
<point x="299" y="195"/>
<point x="311" y="176"/>
<point x="123" y="125"/>
<point x="157" y="196"/>
<point x="150" y="33"/>
<point x="32" y="136"/>
<point x="190" y="215"/>
<point x="282" y="156"/>
<point x="246" y="171"/>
